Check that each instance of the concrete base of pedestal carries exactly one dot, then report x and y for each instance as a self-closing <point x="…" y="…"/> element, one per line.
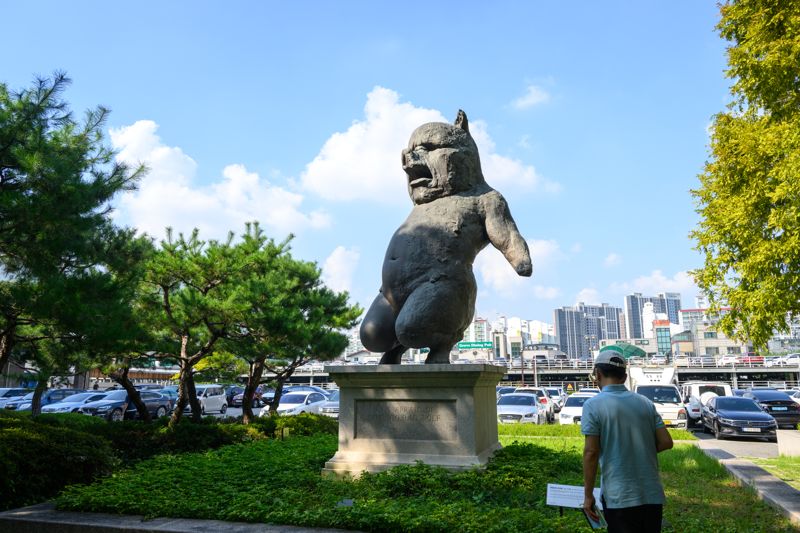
<point x="389" y="415"/>
<point x="788" y="442"/>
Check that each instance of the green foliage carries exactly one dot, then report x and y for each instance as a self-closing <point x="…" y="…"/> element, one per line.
<point x="307" y="424"/>
<point x="749" y="198"/>
<point x="38" y="460"/>
<point x="567" y="430"/>
<point x="508" y="496"/>
<point x="784" y="467"/>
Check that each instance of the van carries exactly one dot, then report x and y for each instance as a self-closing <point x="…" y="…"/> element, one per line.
<point x="668" y="401"/>
<point x="695" y="394"/>
<point x="212" y="398"/>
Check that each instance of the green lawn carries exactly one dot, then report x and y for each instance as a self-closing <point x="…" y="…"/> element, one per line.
<point x="785" y="468"/>
<point x="567" y="430"/>
<point x="279" y="482"/>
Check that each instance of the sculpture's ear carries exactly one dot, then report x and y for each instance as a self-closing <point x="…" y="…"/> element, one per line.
<point x="461" y="121"/>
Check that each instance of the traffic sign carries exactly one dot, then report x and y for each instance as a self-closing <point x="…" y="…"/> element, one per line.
<point x="486" y="345"/>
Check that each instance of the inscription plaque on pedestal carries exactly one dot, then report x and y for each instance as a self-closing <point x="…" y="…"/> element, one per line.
<point x="406" y="419"/>
<point x="389" y="415"/>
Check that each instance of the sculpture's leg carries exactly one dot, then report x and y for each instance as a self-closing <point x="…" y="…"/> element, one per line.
<point x="377" y="328"/>
<point x="440" y="354"/>
<point x="393" y="356"/>
<point x="435" y="315"/>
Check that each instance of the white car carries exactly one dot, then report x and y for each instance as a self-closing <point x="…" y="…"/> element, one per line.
<point x="543" y="399"/>
<point x="668" y="403"/>
<point x="795" y="396"/>
<point x="72" y="404"/>
<point x="573" y="408"/>
<point x="792" y="359"/>
<point x="588" y="390"/>
<point x="695" y="394"/>
<point x="727" y="360"/>
<point x="294" y="403"/>
<point x="521" y="409"/>
<point x="212" y="398"/>
<point x="557" y="394"/>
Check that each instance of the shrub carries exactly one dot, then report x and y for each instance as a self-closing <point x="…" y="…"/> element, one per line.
<point x="307" y="424"/>
<point x="38" y="460"/>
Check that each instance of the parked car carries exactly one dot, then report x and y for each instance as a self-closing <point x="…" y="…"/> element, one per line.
<point x="9" y="394"/>
<point x="543" y="399"/>
<point x="726" y="360"/>
<point x="72" y="404"/>
<point x="294" y="403"/>
<point x="521" y="408"/>
<point x="696" y="393"/>
<point x="258" y="401"/>
<point x="729" y="416"/>
<point x="231" y="391"/>
<point x="588" y="390"/>
<point x="792" y="359"/>
<point x="782" y="408"/>
<point x="307" y="388"/>
<point x="211" y="397"/>
<point x="116" y="405"/>
<point x="738" y="392"/>
<point x="148" y="386"/>
<point x="49" y="396"/>
<point x="750" y="359"/>
<point x="795" y="396"/>
<point x="668" y="403"/>
<point x="558" y="395"/>
<point x="500" y="391"/>
<point x="331" y="407"/>
<point x="170" y="392"/>
<point x="573" y="408"/>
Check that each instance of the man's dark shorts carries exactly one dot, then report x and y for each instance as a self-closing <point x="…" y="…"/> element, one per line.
<point x="639" y="519"/>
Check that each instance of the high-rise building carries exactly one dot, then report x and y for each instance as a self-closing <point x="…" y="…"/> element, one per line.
<point x="580" y="328"/>
<point x="571" y="331"/>
<point x="668" y="303"/>
<point x="479" y="330"/>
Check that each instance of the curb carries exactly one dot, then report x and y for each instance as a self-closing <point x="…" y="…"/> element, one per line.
<point x="769" y="488"/>
<point x="44" y="518"/>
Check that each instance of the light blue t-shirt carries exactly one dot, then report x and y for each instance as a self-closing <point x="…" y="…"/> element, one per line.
<point x="626" y="423"/>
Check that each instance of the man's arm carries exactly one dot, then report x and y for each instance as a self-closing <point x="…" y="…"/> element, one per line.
<point x="591" y="455"/>
<point x="663" y="439"/>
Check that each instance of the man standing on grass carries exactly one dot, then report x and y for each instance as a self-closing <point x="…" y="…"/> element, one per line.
<point x="624" y="433"/>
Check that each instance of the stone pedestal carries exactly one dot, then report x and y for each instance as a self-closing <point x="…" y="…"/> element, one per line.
<point x="389" y="415"/>
<point x="788" y="442"/>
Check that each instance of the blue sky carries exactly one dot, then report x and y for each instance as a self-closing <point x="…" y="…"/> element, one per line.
<point x="591" y="119"/>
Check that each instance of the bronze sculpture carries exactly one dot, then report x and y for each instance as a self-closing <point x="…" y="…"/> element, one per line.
<point x="427" y="297"/>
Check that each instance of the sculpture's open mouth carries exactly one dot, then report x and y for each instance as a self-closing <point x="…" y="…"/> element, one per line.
<point x="418" y="175"/>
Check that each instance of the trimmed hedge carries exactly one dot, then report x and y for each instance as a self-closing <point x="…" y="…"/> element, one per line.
<point x="39" y="456"/>
<point x="38" y="460"/>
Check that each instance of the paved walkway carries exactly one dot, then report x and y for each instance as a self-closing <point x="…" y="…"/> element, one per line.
<point x="772" y="490"/>
<point x="43" y="518"/>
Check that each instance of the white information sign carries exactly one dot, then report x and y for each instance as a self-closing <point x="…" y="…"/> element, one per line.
<point x="569" y="496"/>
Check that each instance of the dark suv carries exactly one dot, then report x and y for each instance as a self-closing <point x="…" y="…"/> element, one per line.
<point x="782" y="408"/>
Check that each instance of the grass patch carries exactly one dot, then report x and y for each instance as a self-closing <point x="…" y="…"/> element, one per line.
<point x="279" y="482"/>
<point x="784" y="467"/>
<point x="567" y="430"/>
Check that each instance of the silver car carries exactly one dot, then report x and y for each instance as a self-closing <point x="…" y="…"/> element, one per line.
<point x="72" y="404"/>
<point x="518" y="408"/>
<point x="331" y="407"/>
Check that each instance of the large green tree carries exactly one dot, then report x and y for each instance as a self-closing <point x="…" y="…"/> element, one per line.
<point x="63" y="264"/>
<point x="292" y="318"/>
<point x="749" y="198"/>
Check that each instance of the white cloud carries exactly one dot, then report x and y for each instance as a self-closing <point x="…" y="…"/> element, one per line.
<point x="588" y="296"/>
<point x="338" y="269"/>
<point x="576" y="248"/>
<point x="612" y="259"/>
<point x="657" y="282"/>
<point x="499" y="276"/>
<point x="168" y="196"/>
<point x="534" y="95"/>
<point x="363" y="162"/>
